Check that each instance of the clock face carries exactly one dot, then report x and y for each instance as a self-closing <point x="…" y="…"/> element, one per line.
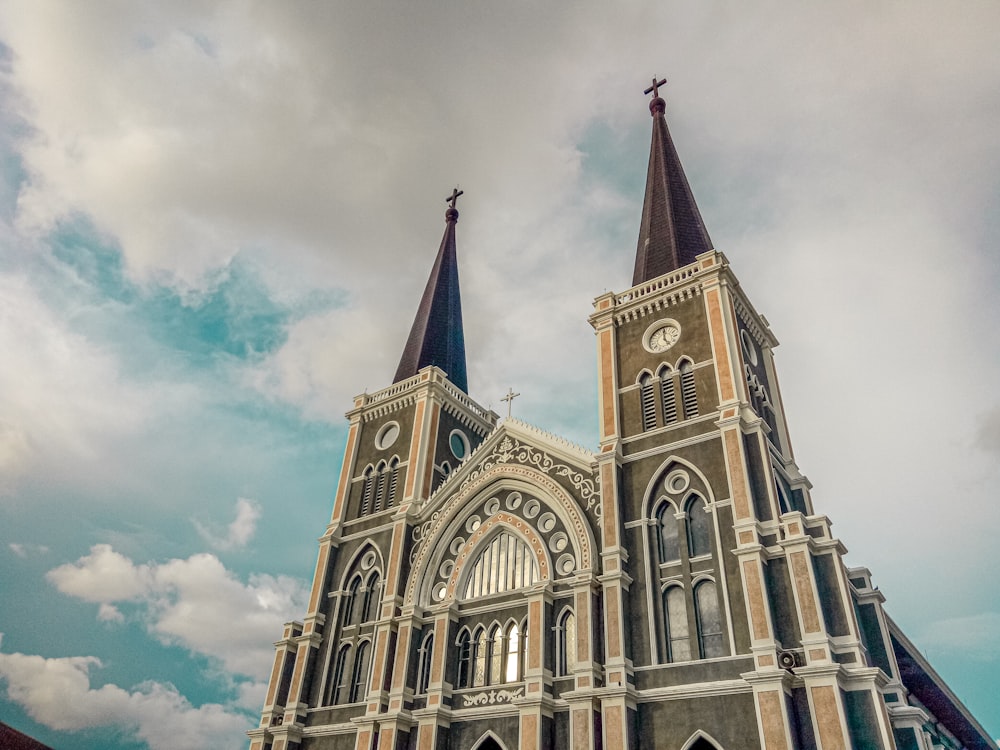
<point x="663" y="338"/>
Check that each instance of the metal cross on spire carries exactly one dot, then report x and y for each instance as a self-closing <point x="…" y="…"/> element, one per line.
<point x="509" y="398"/>
<point x="655" y="88"/>
<point x="454" y="197"/>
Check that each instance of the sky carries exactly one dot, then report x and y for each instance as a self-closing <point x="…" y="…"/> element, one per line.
<point x="217" y="218"/>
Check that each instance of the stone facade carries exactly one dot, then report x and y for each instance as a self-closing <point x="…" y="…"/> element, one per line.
<point x="485" y="584"/>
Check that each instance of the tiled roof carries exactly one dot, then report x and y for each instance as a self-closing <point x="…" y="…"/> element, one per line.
<point x="672" y="232"/>
<point x="436" y="337"/>
<point x="11" y="739"/>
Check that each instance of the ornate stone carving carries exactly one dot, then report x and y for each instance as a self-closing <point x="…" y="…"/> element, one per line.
<point x="510" y="450"/>
<point x="488" y="698"/>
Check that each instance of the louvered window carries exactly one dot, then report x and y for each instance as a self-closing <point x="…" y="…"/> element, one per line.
<point x="505" y="564"/>
<point x="390" y="496"/>
<point x="689" y="398"/>
<point x="669" y="396"/>
<point x="648" y="400"/>
<point x="366" y="495"/>
<point x="380" y="487"/>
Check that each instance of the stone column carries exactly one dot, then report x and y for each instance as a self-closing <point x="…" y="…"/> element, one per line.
<point x="535" y="706"/>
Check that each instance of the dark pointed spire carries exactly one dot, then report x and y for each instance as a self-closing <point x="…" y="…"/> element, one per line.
<point x="672" y="232"/>
<point x="436" y="337"/>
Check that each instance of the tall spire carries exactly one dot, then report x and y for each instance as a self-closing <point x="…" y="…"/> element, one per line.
<point x="436" y="337"/>
<point x="672" y="232"/>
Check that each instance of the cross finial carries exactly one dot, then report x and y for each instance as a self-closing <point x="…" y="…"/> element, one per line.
<point x="509" y="398"/>
<point x="657" y="105"/>
<point x="655" y="88"/>
<point x="450" y="200"/>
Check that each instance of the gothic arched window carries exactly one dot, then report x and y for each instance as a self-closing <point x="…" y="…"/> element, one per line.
<point x="699" y="533"/>
<point x="424" y="664"/>
<point x="350" y="600"/>
<point x="648" y="401"/>
<point x="706" y="605"/>
<point x="505" y="564"/>
<point x="359" y="684"/>
<point x="337" y="681"/>
<point x="566" y="642"/>
<point x="666" y="534"/>
<point x="689" y="397"/>
<point x="480" y="654"/>
<point x="676" y="624"/>
<point x="495" y="644"/>
<point x="372" y="595"/>
<point x="668" y="395"/>
<point x="464" y="660"/>
<point x="515" y="653"/>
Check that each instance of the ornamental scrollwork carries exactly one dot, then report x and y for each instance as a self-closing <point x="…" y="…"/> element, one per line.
<point x="510" y="450"/>
<point x="492" y="697"/>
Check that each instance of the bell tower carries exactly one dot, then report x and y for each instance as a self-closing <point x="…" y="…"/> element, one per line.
<point x="402" y="443"/>
<point x="718" y="568"/>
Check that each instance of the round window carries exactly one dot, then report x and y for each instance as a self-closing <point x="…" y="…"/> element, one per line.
<point x="459" y="444"/>
<point x="387" y="435"/>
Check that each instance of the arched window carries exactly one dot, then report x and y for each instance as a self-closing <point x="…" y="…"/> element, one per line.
<point x="515" y="668"/>
<point x="669" y="396"/>
<point x="495" y="644"/>
<point x="706" y="605"/>
<point x="505" y="564"/>
<point x="676" y="625"/>
<point x="379" y="486"/>
<point x="648" y="401"/>
<point x="464" y="660"/>
<point x="666" y="534"/>
<point x="350" y="600"/>
<point x="689" y="397"/>
<point x="424" y="662"/>
<point x="366" y="495"/>
<point x="566" y="643"/>
<point x="359" y="685"/>
<point x="390" y="495"/>
<point x="372" y="596"/>
<point x="698" y="528"/>
<point x="337" y="682"/>
<point x="479" y="658"/>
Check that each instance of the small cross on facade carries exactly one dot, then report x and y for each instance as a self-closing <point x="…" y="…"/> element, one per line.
<point x="454" y="196"/>
<point x="509" y="398"/>
<point x="655" y="88"/>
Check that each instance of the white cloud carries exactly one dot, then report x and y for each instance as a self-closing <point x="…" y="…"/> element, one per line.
<point x="102" y="576"/>
<point x="65" y="400"/>
<point x="195" y="603"/>
<point x="109" y="613"/>
<point x="239" y="532"/>
<point x="57" y="692"/>
<point x="23" y="550"/>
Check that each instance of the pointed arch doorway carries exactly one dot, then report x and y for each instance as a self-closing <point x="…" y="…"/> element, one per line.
<point x="489" y="744"/>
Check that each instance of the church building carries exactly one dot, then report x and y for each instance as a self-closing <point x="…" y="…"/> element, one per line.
<point x="485" y="584"/>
